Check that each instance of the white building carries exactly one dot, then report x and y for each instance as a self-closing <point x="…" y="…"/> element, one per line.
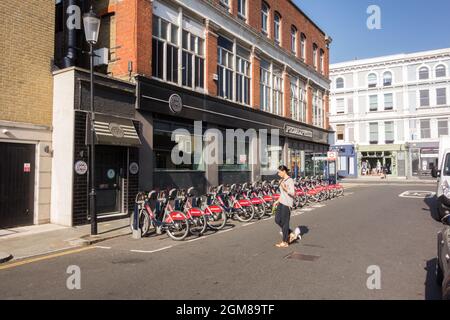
<point x="393" y="109"/>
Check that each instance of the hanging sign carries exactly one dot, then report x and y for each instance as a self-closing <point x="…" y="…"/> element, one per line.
<point x="27" y="167"/>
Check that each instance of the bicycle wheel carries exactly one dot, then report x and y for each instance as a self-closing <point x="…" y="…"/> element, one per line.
<point x="178" y="230"/>
<point x="260" y="211"/>
<point x="245" y="214"/>
<point x="198" y="225"/>
<point x="217" y="220"/>
<point x="144" y="222"/>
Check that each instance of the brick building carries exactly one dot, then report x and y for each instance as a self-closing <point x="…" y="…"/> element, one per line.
<point x="228" y="64"/>
<point x="26" y="44"/>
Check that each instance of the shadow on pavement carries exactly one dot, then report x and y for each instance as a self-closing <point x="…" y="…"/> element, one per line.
<point x="432" y="290"/>
<point x="432" y="207"/>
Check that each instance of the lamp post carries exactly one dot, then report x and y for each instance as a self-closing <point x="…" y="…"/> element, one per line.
<point x="91" y="29"/>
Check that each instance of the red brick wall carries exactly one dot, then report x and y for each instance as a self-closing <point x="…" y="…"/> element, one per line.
<point x="309" y="110"/>
<point x="254" y="88"/>
<point x="134" y="30"/>
<point x="211" y="60"/>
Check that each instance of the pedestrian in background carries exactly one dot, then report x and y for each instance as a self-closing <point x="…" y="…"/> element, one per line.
<point x="285" y="203"/>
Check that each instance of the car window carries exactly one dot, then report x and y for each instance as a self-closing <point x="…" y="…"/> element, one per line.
<point x="447" y="165"/>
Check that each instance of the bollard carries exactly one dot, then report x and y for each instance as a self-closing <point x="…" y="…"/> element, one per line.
<point x="136" y="231"/>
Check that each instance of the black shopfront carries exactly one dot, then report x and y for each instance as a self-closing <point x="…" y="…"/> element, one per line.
<point x="158" y="120"/>
<point x="117" y="148"/>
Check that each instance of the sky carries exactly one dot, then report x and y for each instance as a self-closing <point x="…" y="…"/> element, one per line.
<point x="406" y="26"/>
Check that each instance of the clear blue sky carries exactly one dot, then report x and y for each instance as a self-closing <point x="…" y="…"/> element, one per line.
<point x="406" y="26"/>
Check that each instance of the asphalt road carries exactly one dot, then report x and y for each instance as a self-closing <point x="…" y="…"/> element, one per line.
<point x="370" y="226"/>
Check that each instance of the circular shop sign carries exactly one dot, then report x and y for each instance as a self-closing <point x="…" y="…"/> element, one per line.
<point x="81" y="167"/>
<point x="116" y="130"/>
<point x="134" y="168"/>
<point x="175" y="103"/>
<point x="111" y="173"/>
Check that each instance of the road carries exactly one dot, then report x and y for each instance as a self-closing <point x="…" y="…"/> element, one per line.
<point x="370" y="226"/>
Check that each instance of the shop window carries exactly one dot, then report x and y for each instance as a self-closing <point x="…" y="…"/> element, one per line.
<point x="238" y="159"/>
<point x="163" y="146"/>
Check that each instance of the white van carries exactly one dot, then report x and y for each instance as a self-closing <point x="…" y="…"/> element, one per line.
<point x="443" y="175"/>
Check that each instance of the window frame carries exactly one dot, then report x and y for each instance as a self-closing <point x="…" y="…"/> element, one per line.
<point x="392" y="132"/>
<point x="374" y="83"/>
<point x="384" y="79"/>
<point x="277" y="27"/>
<point x="441" y="120"/>
<point x="371" y="133"/>
<point x="385" y="102"/>
<point x="444" y="96"/>
<point x="440" y="66"/>
<point x="421" y="99"/>
<point x="370" y="103"/>
<point x="422" y="129"/>
<point x="343" y="83"/>
<point x="265" y="18"/>
<point x="303" y="46"/>
<point x="419" y="71"/>
<point x="294" y="39"/>
<point x="242" y="5"/>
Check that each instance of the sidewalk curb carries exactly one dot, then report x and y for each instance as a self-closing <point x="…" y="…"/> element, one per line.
<point x="5" y="257"/>
<point x="89" y="240"/>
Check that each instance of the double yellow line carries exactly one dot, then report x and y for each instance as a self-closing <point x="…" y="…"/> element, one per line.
<point x="41" y="258"/>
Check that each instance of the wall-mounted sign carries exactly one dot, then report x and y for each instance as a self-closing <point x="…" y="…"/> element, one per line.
<point x="134" y="168"/>
<point x="81" y="167"/>
<point x="111" y="173"/>
<point x="175" y="103"/>
<point x="332" y="155"/>
<point x="296" y="131"/>
<point x="116" y="130"/>
<point x="26" y="167"/>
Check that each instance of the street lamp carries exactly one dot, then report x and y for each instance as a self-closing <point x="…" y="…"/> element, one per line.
<point x="91" y="29"/>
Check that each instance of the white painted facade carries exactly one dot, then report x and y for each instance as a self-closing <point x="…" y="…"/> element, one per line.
<point x="63" y="136"/>
<point x="410" y="115"/>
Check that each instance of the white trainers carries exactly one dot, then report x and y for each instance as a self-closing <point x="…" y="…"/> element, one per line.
<point x="297" y="233"/>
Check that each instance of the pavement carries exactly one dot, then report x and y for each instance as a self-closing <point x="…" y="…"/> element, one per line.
<point x="343" y="241"/>
<point x="26" y="242"/>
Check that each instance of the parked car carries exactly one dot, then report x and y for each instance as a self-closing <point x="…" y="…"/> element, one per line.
<point x="443" y="259"/>
<point x="443" y="175"/>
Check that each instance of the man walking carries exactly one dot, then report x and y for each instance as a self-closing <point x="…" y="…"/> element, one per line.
<point x="286" y="201"/>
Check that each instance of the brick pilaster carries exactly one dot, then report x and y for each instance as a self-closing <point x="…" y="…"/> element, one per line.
<point x="211" y="57"/>
<point x="255" y="81"/>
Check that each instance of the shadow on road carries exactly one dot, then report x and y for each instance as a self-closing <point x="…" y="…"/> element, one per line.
<point x="432" y="207"/>
<point x="432" y="290"/>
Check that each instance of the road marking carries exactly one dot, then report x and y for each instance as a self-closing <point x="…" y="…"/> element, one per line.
<point x="196" y="239"/>
<point x="152" y="251"/>
<point x="248" y="224"/>
<point x="417" y="194"/>
<point x="31" y="260"/>
<point x="100" y="247"/>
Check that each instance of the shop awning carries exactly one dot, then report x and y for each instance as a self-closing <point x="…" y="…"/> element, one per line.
<point x="115" y="131"/>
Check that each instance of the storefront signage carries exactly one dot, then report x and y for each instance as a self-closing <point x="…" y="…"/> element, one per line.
<point x="134" y="168"/>
<point x="175" y="103"/>
<point x="296" y="131"/>
<point x="331" y="155"/>
<point x="319" y="158"/>
<point x="116" y="130"/>
<point x="26" y="167"/>
<point x="81" y="167"/>
<point x="111" y="173"/>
